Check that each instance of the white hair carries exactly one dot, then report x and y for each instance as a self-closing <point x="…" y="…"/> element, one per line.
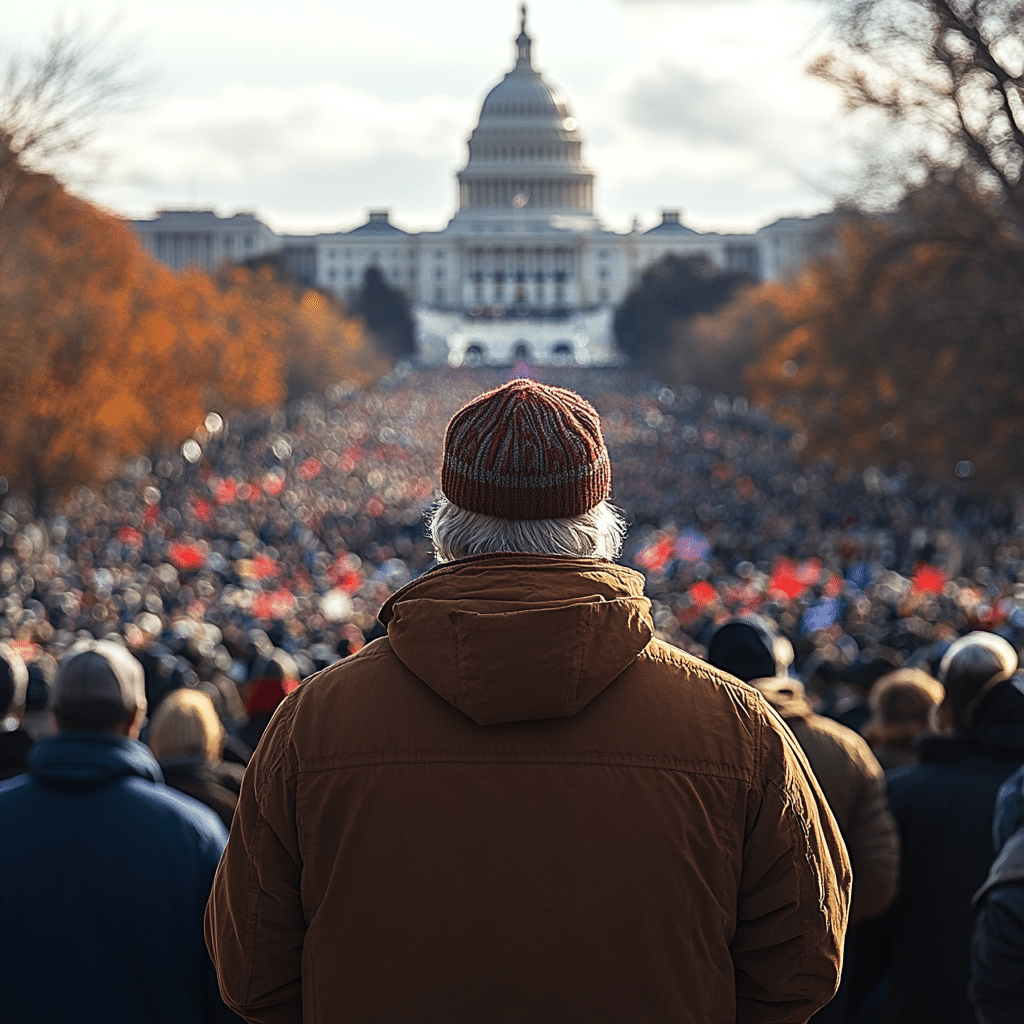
<point x="459" y="533"/>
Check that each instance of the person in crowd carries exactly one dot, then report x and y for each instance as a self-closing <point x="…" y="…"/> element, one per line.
<point x="187" y="739"/>
<point x="903" y="705"/>
<point x="36" y="720"/>
<point x="274" y="676"/>
<point x="108" y="869"/>
<point x="997" y="951"/>
<point x="944" y="809"/>
<point x="848" y="773"/>
<point x="15" y="741"/>
<point x="518" y="805"/>
<point x="858" y="683"/>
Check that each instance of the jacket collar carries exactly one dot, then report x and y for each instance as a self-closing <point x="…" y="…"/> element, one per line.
<point x="86" y="760"/>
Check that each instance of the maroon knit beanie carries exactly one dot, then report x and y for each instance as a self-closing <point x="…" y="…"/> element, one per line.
<point x="526" y="451"/>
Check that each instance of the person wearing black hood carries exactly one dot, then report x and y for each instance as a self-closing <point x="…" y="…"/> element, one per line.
<point x="944" y="808"/>
<point x="108" y="869"/>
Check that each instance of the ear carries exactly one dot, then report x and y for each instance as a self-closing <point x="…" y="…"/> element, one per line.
<point x="133" y="726"/>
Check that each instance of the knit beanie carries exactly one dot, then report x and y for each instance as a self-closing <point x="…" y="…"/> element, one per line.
<point x="526" y="451"/>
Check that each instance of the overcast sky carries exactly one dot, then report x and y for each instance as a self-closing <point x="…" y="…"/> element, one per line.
<point x="309" y="112"/>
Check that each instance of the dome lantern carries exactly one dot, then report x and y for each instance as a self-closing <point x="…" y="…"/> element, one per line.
<point x="526" y="147"/>
<point x="523" y="42"/>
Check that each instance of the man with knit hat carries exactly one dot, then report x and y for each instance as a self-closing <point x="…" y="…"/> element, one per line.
<point x="518" y="805"/>
<point x="107" y="870"/>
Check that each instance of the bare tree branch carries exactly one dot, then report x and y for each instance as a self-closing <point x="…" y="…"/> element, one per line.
<point x="53" y="103"/>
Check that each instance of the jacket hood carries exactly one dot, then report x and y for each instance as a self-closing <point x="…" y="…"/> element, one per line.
<point x="512" y="638"/>
<point x="787" y="696"/>
<point x="86" y="760"/>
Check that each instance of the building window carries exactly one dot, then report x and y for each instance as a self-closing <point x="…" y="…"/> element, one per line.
<point x="562" y="354"/>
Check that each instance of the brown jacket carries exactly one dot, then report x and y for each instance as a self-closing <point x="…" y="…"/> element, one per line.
<point x="518" y="807"/>
<point x="854" y="785"/>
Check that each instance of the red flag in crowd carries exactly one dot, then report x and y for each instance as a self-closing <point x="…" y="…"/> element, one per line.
<point x="928" y="579"/>
<point x="263" y="566"/>
<point x="226" y="491"/>
<point x="186" y="556"/>
<point x="786" y="579"/>
<point x="275" y="604"/>
<point x="654" y="556"/>
<point x="702" y="594"/>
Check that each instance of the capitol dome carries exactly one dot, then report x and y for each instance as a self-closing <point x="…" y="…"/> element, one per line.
<point x="526" y="150"/>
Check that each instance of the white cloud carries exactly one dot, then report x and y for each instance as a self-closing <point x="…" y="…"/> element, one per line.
<point x="312" y="112"/>
<point x="262" y="141"/>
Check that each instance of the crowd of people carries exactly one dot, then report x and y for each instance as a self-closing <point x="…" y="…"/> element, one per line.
<point x="262" y="550"/>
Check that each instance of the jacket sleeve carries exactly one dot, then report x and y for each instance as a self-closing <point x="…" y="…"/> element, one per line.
<point x="255" y="925"/>
<point x="794" y="892"/>
<point x="997" y="957"/>
<point x="872" y="841"/>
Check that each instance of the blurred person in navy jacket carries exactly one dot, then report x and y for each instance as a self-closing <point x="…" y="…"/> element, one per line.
<point x="108" y="869"/>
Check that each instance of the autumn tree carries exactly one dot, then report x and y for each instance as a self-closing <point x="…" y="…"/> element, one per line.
<point x="905" y="346"/>
<point x="651" y="325"/>
<point x="108" y="353"/>
<point x="315" y="341"/>
<point x="54" y="102"/>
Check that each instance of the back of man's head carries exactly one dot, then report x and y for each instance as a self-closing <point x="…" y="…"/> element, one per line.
<point x="972" y="667"/>
<point x="745" y="648"/>
<point x="525" y="469"/>
<point x="100" y="687"/>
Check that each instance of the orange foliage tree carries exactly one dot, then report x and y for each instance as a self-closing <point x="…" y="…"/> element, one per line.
<point x="906" y="345"/>
<point x="108" y="353"/>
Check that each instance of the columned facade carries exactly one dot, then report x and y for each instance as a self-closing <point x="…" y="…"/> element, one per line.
<point x="524" y="270"/>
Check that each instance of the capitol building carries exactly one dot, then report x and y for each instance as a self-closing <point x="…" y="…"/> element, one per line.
<point x="524" y="270"/>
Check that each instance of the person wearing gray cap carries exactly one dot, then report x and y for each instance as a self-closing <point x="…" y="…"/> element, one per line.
<point x="108" y="870"/>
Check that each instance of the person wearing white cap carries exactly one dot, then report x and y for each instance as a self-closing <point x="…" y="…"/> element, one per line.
<point x="107" y="870"/>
